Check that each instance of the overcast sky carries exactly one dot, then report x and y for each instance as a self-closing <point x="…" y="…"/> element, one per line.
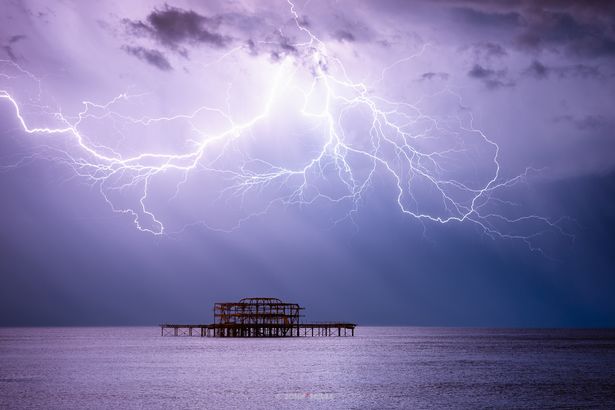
<point x="385" y="162"/>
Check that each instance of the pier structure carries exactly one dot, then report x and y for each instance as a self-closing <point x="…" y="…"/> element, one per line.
<point x="258" y="317"/>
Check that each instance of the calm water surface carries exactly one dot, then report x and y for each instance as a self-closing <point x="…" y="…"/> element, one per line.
<point x="379" y="368"/>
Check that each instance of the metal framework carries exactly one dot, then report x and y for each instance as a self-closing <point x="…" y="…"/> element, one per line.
<point x="258" y="317"/>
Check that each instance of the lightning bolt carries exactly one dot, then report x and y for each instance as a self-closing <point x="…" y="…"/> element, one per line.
<point x="417" y="153"/>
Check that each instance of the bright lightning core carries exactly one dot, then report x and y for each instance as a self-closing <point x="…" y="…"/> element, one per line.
<point x="298" y="131"/>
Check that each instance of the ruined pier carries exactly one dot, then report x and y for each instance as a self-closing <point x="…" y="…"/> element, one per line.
<point x="258" y="317"/>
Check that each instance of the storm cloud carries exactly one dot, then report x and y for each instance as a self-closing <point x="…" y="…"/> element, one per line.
<point x="174" y="28"/>
<point x="534" y="77"/>
<point x="579" y="29"/>
<point x="541" y="71"/>
<point x="150" y="56"/>
<point x="8" y="47"/>
<point x="491" y="78"/>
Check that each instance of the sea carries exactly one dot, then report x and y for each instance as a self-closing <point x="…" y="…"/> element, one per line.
<point x="378" y="368"/>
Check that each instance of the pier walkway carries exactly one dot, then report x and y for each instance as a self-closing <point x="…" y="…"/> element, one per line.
<point x="258" y="330"/>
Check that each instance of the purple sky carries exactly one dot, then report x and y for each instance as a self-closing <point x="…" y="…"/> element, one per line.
<point x="448" y="159"/>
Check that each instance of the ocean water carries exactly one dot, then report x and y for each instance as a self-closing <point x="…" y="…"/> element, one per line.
<point x="403" y="367"/>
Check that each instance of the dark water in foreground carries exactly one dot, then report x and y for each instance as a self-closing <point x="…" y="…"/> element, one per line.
<point x="379" y="368"/>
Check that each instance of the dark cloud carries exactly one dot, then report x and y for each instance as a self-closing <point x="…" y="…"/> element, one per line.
<point x="152" y="57"/>
<point x="491" y="78"/>
<point x="484" y="53"/>
<point x="174" y="28"/>
<point x="434" y="76"/>
<point x="578" y="28"/>
<point x="344" y="36"/>
<point x="284" y="45"/>
<point x="541" y="71"/>
<point x="276" y="45"/>
<point x="342" y="28"/>
<point x="261" y="33"/>
<point x="582" y="34"/>
<point x="8" y="48"/>
<point x="590" y="122"/>
<point x="9" y="52"/>
<point x="537" y="70"/>
<point x="480" y="18"/>
<point x="16" y="38"/>
<point x="580" y="70"/>
<point x="490" y="50"/>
